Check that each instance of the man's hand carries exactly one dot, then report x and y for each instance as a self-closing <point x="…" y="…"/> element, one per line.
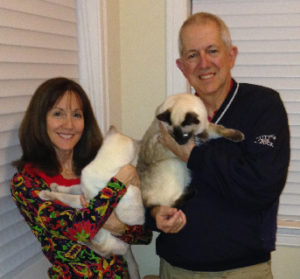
<point x="168" y="219"/>
<point x="183" y="152"/>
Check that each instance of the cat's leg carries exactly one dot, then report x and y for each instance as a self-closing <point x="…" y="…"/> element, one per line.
<point x="217" y="131"/>
<point x="130" y="209"/>
<point x="69" y="199"/>
<point x="105" y="244"/>
<point x="74" y="189"/>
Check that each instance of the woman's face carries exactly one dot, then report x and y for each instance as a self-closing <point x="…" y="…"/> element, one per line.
<point x="65" y="123"/>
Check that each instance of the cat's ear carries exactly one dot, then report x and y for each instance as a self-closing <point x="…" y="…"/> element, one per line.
<point x="137" y="144"/>
<point x="112" y="130"/>
<point x="165" y="116"/>
<point x="191" y="118"/>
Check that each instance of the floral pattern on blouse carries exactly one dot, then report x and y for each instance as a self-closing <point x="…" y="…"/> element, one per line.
<point x="62" y="230"/>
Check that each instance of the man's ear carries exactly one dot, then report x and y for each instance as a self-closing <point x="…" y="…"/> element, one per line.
<point x="179" y="64"/>
<point x="233" y="52"/>
<point x="165" y="117"/>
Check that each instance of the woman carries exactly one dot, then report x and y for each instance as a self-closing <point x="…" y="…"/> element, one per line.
<point x="59" y="136"/>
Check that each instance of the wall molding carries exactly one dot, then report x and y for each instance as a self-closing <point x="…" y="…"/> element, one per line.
<point x="176" y="12"/>
<point x="93" y="68"/>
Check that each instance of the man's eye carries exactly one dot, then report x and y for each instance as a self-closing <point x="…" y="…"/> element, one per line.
<point x="213" y="50"/>
<point x="193" y="55"/>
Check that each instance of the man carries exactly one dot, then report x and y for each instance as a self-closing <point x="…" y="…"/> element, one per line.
<point x="228" y="229"/>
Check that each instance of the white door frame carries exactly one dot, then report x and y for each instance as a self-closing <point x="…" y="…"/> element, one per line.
<point x="92" y="44"/>
<point x="92" y="41"/>
<point x="177" y="12"/>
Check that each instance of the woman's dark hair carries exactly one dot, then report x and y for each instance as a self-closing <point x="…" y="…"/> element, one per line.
<point x="35" y="142"/>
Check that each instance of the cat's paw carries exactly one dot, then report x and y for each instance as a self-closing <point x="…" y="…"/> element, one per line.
<point x="54" y="187"/>
<point x="45" y="195"/>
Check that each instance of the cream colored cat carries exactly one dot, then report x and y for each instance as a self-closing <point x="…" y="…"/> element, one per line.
<point x="116" y="151"/>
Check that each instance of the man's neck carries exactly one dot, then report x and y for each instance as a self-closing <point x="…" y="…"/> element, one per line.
<point x="213" y="102"/>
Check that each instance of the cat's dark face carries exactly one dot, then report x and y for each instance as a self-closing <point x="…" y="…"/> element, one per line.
<point x="183" y="131"/>
<point x="184" y="116"/>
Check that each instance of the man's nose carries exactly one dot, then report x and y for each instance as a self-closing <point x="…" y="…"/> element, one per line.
<point x="203" y="60"/>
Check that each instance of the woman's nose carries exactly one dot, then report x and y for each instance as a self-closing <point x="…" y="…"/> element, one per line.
<point x="68" y="123"/>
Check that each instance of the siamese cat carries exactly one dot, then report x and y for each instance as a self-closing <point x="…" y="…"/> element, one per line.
<point x="164" y="177"/>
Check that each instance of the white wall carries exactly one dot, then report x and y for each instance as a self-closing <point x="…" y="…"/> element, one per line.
<point x="142" y="38"/>
<point x="142" y="86"/>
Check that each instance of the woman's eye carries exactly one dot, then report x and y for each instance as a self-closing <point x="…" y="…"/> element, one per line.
<point x="78" y="115"/>
<point x="57" y="113"/>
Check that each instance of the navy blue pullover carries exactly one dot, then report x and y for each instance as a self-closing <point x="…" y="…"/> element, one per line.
<point x="231" y="222"/>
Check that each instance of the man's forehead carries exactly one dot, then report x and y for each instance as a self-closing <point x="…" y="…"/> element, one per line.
<point x="209" y="29"/>
<point x="198" y="35"/>
<point x="200" y="26"/>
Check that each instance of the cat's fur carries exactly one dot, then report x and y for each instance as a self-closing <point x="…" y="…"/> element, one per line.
<point x="116" y="151"/>
<point x="164" y="177"/>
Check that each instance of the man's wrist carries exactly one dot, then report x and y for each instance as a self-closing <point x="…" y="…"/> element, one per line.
<point x="153" y="210"/>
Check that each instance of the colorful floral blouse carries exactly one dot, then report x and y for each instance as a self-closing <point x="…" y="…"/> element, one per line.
<point x="61" y="230"/>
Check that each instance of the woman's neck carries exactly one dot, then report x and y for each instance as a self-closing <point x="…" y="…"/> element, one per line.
<point x="66" y="162"/>
<point x="68" y="173"/>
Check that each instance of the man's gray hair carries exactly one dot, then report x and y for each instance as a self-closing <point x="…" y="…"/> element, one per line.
<point x="202" y="18"/>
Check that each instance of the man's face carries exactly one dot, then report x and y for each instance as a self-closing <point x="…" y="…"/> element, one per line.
<point x="206" y="62"/>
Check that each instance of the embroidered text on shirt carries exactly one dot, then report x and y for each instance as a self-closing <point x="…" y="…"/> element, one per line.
<point x="266" y="140"/>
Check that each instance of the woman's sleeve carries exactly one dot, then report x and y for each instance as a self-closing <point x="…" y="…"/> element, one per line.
<point x="55" y="218"/>
<point x="137" y="235"/>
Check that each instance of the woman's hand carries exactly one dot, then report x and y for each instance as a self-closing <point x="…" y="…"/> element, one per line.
<point x="114" y="225"/>
<point x="83" y="201"/>
<point x="128" y="176"/>
<point x="168" y="219"/>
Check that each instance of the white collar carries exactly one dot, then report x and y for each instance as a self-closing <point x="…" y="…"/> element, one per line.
<point x="228" y="105"/>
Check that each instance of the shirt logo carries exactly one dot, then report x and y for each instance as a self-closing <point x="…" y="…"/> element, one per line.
<point x="266" y="140"/>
